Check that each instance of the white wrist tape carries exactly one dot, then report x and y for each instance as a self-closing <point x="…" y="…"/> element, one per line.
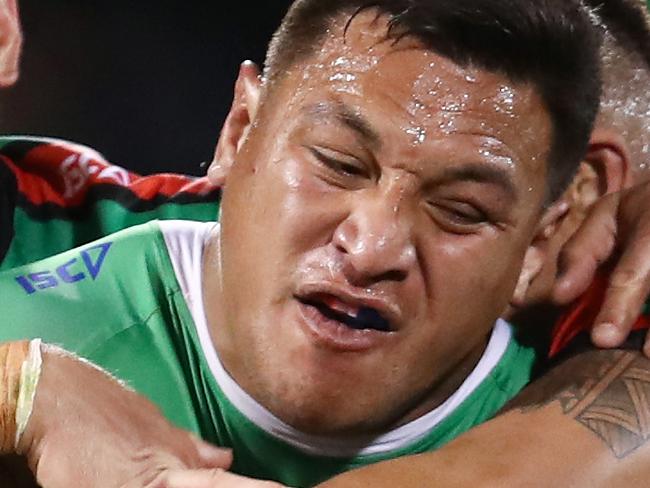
<point x="30" y="373"/>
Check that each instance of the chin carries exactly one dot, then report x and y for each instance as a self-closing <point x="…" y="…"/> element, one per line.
<point x="327" y="405"/>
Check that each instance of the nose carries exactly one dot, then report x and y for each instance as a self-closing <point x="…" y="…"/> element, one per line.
<point x="376" y="241"/>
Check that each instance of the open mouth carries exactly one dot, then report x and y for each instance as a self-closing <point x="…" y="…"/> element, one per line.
<point x="354" y="317"/>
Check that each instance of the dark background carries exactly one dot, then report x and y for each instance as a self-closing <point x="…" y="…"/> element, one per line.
<point x="147" y="83"/>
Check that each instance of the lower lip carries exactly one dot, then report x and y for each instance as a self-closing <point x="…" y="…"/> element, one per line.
<point x="334" y="335"/>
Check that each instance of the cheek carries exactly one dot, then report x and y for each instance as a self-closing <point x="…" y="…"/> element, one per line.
<point x="282" y="211"/>
<point x="308" y="206"/>
<point x="476" y="269"/>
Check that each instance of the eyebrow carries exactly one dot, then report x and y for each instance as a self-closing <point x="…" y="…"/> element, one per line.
<point x="482" y="173"/>
<point x="348" y="116"/>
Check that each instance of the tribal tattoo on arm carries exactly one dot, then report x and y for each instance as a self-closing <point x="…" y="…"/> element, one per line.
<point x="607" y="391"/>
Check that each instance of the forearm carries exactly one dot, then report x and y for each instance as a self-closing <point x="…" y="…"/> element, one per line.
<point x="585" y="423"/>
<point x="508" y="452"/>
<point x="88" y="429"/>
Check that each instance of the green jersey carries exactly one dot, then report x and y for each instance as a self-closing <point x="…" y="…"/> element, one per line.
<point x="159" y="343"/>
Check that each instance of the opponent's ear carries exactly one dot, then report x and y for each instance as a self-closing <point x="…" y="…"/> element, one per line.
<point x="537" y="250"/>
<point x="11" y="41"/>
<point x="238" y="122"/>
<point x="603" y="170"/>
<point x="609" y="157"/>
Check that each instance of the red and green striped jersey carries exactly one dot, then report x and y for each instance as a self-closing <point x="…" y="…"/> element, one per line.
<point x="56" y="195"/>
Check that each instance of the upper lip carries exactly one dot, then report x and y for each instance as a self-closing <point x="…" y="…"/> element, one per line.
<point x="354" y="297"/>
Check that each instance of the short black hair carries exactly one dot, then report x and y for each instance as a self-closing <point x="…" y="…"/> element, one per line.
<point x="625" y="66"/>
<point x="548" y="43"/>
<point x="627" y="22"/>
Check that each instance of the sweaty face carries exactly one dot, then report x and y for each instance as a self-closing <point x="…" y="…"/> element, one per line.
<point x="373" y="229"/>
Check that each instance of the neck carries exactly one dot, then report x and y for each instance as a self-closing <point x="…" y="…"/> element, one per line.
<point x="442" y="390"/>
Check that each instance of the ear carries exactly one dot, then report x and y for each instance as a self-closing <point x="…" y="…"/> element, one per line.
<point x="603" y="170"/>
<point x="11" y="40"/>
<point x="238" y="122"/>
<point x="609" y="157"/>
<point x="536" y="253"/>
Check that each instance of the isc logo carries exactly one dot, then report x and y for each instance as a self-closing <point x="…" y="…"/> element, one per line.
<point x="90" y="260"/>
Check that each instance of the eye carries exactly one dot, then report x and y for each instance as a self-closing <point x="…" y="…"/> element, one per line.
<point x="346" y="166"/>
<point x="458" y="217"/>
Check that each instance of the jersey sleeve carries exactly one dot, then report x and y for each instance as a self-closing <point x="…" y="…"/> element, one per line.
<point x="55" y="195"/>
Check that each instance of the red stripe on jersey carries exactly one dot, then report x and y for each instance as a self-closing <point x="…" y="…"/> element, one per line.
<point x="582" y="315"/>
<point x="62" y="174"/>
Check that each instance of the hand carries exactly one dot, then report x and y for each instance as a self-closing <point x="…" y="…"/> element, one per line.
<point x="619" y="220"/>
<point x="87" y="430"/>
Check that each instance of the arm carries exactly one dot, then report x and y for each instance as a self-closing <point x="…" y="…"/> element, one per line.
<point x="88" y="429"/>
<point x="586" y="423"/>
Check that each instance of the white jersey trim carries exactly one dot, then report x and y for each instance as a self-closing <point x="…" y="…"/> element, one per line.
<point x="185" y="241"/>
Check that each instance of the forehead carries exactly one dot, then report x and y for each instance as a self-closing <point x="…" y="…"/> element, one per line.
<point x="403" y="88"/>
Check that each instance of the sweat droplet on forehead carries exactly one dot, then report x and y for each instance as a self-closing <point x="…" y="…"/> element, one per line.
<point x="418" y="134"/>
<point x="492" y="151"/>
<point x="443" y="95"/>
<point x="504" y="101"/>
<point x="344" y="77"/>
<point x="344" y="71"/>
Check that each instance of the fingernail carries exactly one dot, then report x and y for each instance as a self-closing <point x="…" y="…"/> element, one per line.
<point x="607" y="334"/>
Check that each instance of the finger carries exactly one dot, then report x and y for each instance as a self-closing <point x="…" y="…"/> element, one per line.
<point x="212" y="456"/>
<point x="628" y="288"/>
<point x="212" y="478"/>
<point x="251" y="68"/>
<point x="591" y="245"/>
<point x="646" y="346"/>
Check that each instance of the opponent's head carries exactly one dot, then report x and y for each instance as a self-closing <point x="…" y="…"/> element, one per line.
<point x="625" y="101"/>
<point x="10" y="42"/>
<point x="618" y="154"/>
<point x="383" y="192"/>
